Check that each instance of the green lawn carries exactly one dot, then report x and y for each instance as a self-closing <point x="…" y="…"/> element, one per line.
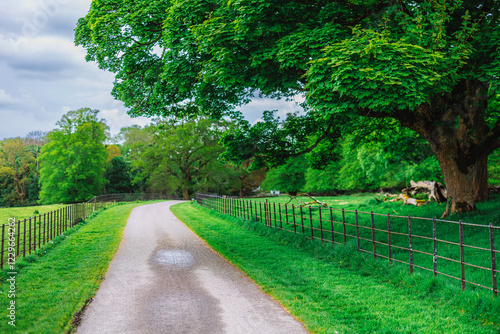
<point x="19" y="213"/>
<point x="336" y="289"/>
<point x="52" y="288"/>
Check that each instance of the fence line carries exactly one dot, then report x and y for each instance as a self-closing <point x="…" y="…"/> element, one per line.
<point x="420" y="243"/>
<point x="25" y="236"/>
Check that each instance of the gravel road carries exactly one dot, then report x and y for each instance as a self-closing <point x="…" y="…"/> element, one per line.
<point x="164" y="279"/>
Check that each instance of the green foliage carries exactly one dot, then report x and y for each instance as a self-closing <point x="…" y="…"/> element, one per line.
<point x="118" y="176"/>
<point x="494" y="168"/>
<point x="74" y="160"/>
<point x="18" y="179"/>
<point x="369" y="159"/>
<point x="272" y="141"/>
<point x="182" y="157"/>
<point x="289" y="177"/>
<point x="211" y="55"/>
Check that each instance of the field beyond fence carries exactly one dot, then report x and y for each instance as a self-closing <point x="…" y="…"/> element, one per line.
<point x="460" y="251"/>
<point x="25" y="236"/>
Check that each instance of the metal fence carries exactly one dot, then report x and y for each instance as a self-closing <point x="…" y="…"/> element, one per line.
<point x="22" y="237"/>
<point x="458" y="250"/>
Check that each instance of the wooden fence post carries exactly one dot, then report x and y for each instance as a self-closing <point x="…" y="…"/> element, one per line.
<point x="24" y="238"/>
<point x="29" y="248"/>
<point x="410" y="242"/>
<point x="50" y="217"/>
<point x="44" y="228"/>
<point x="274" y="209"/>
<point x="286" y="214"/>
<point x="3" y="243"/>
<point x="320" y="224"/>
<point x="462" y="260"/>
<point x="357" y="229"/>
<point x="434" y="247"/>
<point x="260" y="208"/>
<point x="281" y="219"/>
<point x="311" y="221"/>
<point x="39" y="230"/>
<point x="373" y="236"/>
<point x="34" y="233"/>
<point x="343" y="225"/>
<point x="493" y="260"/>
<point x="302" y="220"/>
<point x="331" y="225"/>
<point x="265" y="211"/>
<point x="389" y="251"/>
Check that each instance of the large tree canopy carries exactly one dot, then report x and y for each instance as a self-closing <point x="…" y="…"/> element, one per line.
<point x="431" y="65"/>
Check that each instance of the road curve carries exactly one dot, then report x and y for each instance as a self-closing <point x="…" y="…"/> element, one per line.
<point x="164" y="279"/>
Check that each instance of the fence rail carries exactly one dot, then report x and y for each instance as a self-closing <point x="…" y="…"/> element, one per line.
<point x="461" y="251"/>
<point x="23" y="237"/>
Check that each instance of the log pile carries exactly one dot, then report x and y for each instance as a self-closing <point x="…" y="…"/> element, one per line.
<point x="493" y="189"/>
<point x="437" y="192"/>
<point x="302" y="204"/>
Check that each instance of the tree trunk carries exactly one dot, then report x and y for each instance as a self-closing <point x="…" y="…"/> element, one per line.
<point x="185" y="193"/>
<point x="466" y="185"/>
<point x="455" y="127"/>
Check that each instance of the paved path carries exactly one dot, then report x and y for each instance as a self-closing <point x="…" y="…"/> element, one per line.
<point x="164" y="279"/>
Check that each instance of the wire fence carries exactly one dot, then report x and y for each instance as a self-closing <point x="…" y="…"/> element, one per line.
<point x="461" y="251"/>
<point x="25" y="236"/>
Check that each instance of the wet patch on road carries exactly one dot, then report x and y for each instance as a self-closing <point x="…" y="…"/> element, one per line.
<point x="177" y="302"/>
<point x="173" y="259"/>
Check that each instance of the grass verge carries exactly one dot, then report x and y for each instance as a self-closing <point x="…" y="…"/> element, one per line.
<point x="333" y="223"/>
<point x="52" y="289"/>
<point x="336" y="289"/>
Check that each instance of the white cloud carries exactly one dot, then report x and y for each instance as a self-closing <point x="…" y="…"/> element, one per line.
<point x="253" y="110"/>
<point x="117" y="119"/>
<point x="6" y="99"/>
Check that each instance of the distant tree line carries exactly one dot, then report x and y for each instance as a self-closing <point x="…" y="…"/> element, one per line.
<point x="79" y="159"/>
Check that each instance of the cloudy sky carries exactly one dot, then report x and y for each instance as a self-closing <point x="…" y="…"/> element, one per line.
<point x="43" y="75"/>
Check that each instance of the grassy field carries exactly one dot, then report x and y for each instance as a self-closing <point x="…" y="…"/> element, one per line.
<point x="20" y="213"/>
<point x="52" y="288"/>
<point x="306" y="221"/>
<point x="339" y="290"/>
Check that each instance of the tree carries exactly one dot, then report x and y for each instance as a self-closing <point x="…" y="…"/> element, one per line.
<point x="74" y="159"/>
<point x="113" y="152"/>
<point x="431" y="65"/>
<point x="289" y="177"/>
<point x="35" y="141"/>
<point x="249" y="180"/>
<point x="15" y="166"/>
<point x="182" y="156"/>
<point x="118" y="176"/>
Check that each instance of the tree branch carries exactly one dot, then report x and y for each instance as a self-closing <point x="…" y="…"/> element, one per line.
<point x="318" y="141"/>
